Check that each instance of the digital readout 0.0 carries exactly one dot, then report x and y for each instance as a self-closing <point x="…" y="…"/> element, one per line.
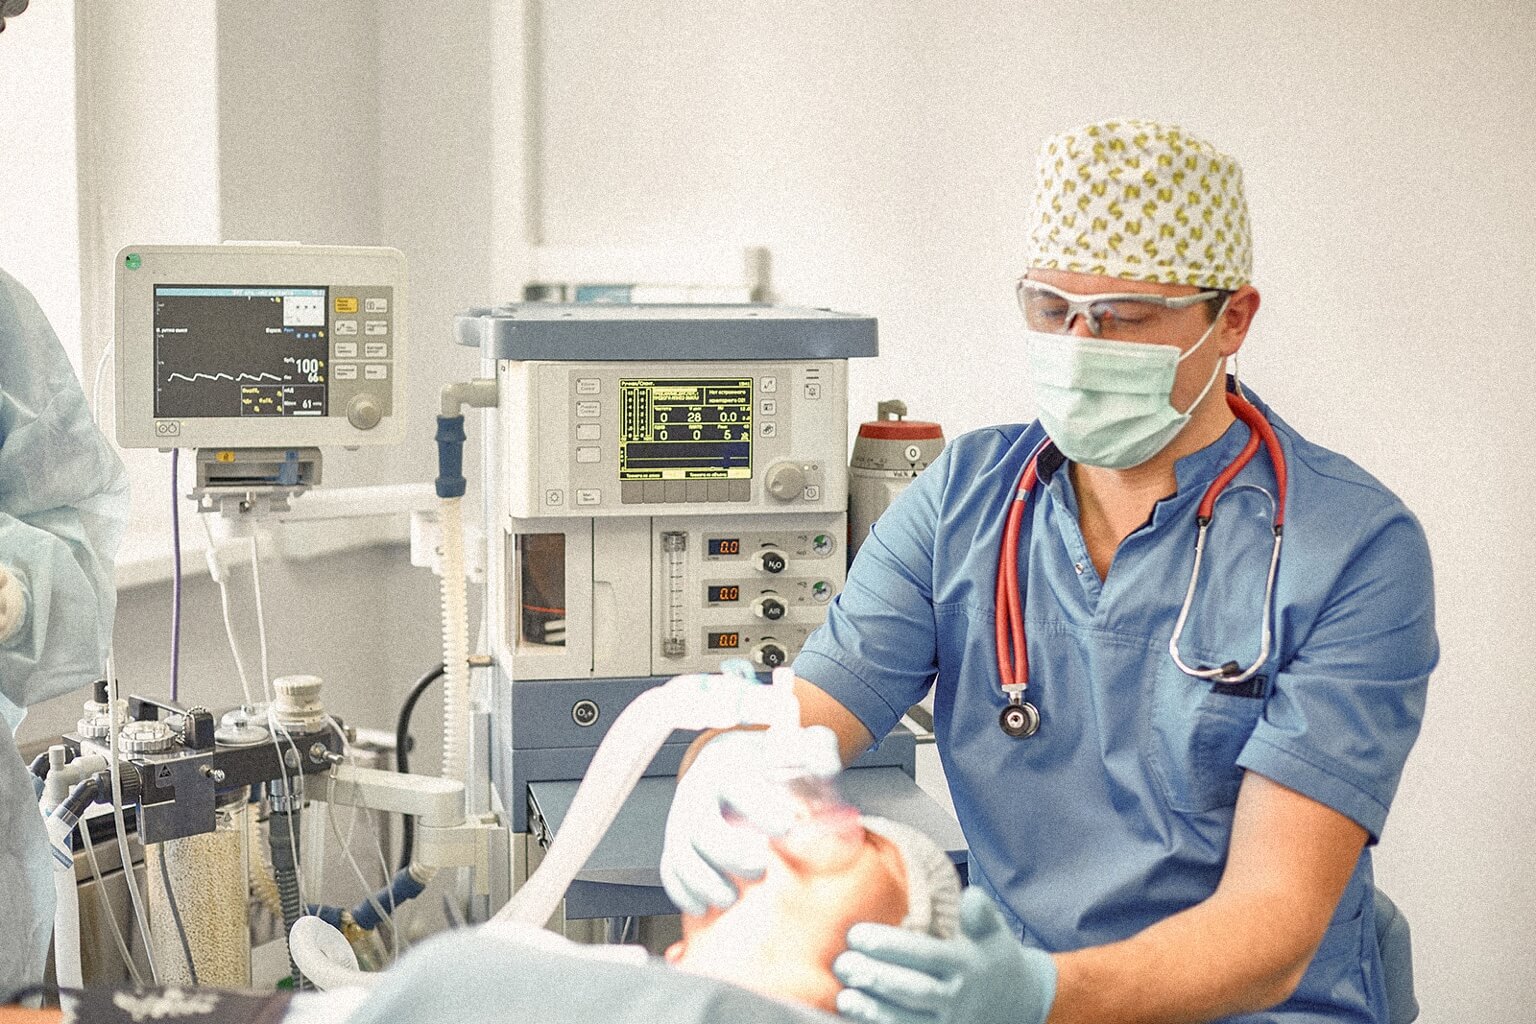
<point x="724" y="641"/>
<point x="724" y="546"/>
<point x="685" y="428"/>
<point x="724" y="594"/>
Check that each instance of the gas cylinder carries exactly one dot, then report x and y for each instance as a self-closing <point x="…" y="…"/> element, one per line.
<point x="888" y="453"/>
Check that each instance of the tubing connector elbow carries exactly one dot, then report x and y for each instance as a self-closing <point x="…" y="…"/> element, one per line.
<point x="480" y="393"/>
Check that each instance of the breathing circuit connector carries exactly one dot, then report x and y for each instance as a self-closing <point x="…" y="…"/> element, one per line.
<point x="450" y="431"/>
<point x="450" y="457"/>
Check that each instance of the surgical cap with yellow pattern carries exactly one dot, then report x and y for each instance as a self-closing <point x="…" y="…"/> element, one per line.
<point x="1140" y="201"/>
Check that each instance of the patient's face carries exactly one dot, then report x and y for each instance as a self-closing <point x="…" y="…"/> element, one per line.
<point x="780" y="938"/>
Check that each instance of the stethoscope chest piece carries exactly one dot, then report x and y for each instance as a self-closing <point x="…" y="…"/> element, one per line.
<point x="1020" y="720"/>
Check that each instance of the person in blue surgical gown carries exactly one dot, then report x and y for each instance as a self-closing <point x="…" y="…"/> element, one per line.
<point x="1147" y="843"/>
<point x="63" y="503"/>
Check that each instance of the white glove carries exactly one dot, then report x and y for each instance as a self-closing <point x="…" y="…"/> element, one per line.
<point x="705" y="849"/>
<point x="13" y="604"/>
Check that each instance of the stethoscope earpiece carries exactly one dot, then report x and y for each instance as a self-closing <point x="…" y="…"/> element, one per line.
<point x="1020" y="720"/>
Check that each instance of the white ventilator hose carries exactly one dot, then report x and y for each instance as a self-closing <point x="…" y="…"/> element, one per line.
<point x="325" y="957"/>
<point x="66" y="927"/>
<point x="686" y="702"/>
<point x="455" y="644"/>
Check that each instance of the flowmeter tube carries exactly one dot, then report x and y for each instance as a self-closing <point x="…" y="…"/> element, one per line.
<point x="674" y="642"/>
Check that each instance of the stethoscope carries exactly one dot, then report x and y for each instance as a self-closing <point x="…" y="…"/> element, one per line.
<point x="1020" y="718"/>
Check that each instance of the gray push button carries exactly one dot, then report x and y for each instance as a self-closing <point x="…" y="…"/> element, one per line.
<point x="631" y="492"/>
<point x="584" y="713"/>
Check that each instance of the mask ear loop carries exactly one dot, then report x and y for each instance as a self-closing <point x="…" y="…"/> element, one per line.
<point x="1237" y="380"/>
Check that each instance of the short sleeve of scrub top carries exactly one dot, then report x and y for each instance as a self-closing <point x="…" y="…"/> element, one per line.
<point x="1345" y="708"/>
<point x="878" y="651"/>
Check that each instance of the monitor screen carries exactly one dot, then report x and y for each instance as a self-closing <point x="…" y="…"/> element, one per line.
<point x="685" y="428"/>
<point x="231" y="351"/>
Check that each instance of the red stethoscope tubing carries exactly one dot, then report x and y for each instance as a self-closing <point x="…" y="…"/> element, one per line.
<point x="1012" y="656"/>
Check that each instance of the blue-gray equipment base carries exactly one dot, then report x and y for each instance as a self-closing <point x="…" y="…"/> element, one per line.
<point x="537" y="774"/>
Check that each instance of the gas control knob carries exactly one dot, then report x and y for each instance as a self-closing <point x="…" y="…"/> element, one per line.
<point x="769" y="606"/>
<point x="785" y="481"/>
<point x="770" y="560"/>
<point x="769" y="654"/>
<point x="147" y="737"/>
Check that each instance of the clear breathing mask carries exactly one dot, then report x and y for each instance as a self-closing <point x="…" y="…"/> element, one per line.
<point x="804" y="817"/>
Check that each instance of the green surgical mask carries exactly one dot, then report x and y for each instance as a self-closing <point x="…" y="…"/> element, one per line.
<point x="1106" y="403"/>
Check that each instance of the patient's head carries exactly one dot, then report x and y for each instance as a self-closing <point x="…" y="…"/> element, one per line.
<point x="825" y="875"/>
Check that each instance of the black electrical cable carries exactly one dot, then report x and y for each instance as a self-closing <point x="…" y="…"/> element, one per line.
<point x="181" y="932"/>
<point x="402" y="756"/>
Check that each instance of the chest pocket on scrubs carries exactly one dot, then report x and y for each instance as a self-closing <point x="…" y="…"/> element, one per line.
<point x="1198" y="729"/>
<point x="1195" y="738"/>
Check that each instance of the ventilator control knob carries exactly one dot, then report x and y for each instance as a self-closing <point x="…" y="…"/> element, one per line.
<point x="769" y="654"/>
<point x="298" y="704"/>
<point x="785" y="481"/>
<point x="769" y="607"/>
<point x="363" y="412"/>
<point x="147" y="737"/>
<point x="770" y="560"/>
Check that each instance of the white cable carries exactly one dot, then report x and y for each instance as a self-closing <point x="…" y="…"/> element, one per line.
<point x="220" y="575"/>
<point x="106" y="905"/>
<point x="101" y="369"/>
<point x="368" y="891"/>
<point x="378" y="844"/>
<point x="261" y="622"/>
<point x="122" y="828"/>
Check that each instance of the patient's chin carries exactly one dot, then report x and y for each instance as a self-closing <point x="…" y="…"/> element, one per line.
<point x="790" y="982"/>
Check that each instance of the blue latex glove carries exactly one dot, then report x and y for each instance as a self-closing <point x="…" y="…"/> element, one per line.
<point x="982" y="976"/>
<point x="704" y="849"/>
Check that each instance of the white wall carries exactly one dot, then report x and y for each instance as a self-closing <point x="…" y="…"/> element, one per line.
<point x="39" y="224"/>
<point x="883" y="152"/>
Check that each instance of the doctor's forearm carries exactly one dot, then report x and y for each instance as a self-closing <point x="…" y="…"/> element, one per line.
<point x="1221" y="957"/>
<point x="817" y="707"/>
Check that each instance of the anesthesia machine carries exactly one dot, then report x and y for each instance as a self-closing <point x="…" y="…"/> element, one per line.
<point x="666" y="488"/>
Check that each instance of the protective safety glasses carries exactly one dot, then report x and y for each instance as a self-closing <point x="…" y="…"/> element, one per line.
<point x="1128" y="316"/>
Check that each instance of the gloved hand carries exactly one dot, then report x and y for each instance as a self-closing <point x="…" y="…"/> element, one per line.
<point x="732" y="775"/>
<point x="13" y="604"/>
<point x="982" y="976"/>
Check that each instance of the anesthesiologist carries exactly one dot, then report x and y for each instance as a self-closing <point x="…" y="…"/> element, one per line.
<point x="1170" y="761"/>
<point x="63" y="503"/>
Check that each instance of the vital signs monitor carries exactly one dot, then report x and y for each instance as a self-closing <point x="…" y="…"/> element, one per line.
<point x="245" y="346"/>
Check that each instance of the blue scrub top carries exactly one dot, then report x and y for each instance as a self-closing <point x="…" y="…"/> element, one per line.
<point x="1118" y="812"/>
